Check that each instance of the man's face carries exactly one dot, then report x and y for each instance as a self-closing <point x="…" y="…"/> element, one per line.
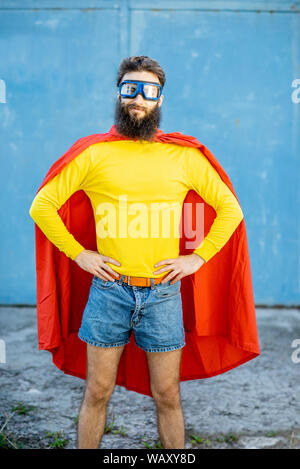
<point x="138" y="117"/>
<point x="138" y="107"/>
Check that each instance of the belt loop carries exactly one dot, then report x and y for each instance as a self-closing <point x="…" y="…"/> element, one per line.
<point x="128" y="279"/>
<point x="152" y="282"/>
<point x="122" y="278"/>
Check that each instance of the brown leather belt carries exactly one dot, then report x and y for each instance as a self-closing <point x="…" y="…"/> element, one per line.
<point x="140" y="281"/>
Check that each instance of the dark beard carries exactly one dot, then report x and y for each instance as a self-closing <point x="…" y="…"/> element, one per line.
<point x="143" y="129"/>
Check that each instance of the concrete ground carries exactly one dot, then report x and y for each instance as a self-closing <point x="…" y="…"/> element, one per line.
<point x="256" y="405"/>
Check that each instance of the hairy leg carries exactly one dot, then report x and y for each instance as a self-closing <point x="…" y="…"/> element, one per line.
<point x="102" y="367"/>
<point x="164" y="370"/>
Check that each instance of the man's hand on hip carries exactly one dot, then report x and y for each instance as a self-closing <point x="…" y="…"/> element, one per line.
<point x="180" y="267"/>
<point x="95" y="263"/>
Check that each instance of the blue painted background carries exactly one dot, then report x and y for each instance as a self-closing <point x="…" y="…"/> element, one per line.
<point x="230" y="68"/>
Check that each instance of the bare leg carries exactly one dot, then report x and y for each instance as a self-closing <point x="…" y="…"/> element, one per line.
<point x="164" y="369"/>
<point x="102" y="367"/>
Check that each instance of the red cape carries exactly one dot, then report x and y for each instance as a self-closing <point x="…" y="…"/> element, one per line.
<point x="218" y="304"/>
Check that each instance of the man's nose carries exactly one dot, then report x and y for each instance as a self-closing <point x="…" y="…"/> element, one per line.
<point x="138" y="98"/>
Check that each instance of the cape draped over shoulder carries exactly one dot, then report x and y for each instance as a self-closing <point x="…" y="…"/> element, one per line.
<point x="217" y="300"/>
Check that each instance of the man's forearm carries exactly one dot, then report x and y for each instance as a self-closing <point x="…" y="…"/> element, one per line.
<point x="224" y="225"/>
<point x="48" y="220"/>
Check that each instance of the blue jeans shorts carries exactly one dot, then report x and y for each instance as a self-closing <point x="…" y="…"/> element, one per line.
<point x="115" y="309"/>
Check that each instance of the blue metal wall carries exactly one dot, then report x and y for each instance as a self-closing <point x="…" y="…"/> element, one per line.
<point x="236" y="63"/>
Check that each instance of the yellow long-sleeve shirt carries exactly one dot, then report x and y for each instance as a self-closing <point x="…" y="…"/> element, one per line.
<point x="137" y="189"/>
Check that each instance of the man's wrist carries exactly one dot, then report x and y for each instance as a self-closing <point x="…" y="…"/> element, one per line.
<point x="78" y="255"/>
<point x="198" y="255"/>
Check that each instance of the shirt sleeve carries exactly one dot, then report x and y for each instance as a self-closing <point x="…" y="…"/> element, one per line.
<point x="205" y="180"/>
<point x="53" y="195"/>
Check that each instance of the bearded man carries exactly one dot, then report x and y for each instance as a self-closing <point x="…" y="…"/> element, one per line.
<point x="135" y="177"/>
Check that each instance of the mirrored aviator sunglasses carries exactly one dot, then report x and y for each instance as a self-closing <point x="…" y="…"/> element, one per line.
<point x="149" y="90"/>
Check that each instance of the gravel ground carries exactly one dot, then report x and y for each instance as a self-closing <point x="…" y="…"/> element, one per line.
<point x="253" y="406"/>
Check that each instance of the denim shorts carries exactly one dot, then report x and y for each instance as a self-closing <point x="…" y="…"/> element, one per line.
<point x="115" y="309"/>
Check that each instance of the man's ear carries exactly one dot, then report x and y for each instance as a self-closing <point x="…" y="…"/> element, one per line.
<point x="160" y="100"/>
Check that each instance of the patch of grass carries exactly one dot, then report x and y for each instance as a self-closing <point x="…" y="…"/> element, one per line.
<point x="207" y="442"/>
<point x="194" y="439"/>
<point x="58" y="439"/>
<point x="120" y="431"/>
<point x="7" y="442"/>
<point x="109" y="427"/>
<point x="270" y="434"/>
<point x="112" y="428"/>
<point x="4" y="444"/>
<point x="231" y="438"/>
<point x="147" y="445"/>
<point x="21" y="409"/>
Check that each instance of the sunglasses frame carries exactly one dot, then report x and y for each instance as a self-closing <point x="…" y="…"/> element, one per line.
<point x="140" y="89"/>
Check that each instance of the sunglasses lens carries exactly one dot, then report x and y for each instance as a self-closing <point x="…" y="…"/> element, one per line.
<point x="151" y="91"/>
<point x="128" y="89"/>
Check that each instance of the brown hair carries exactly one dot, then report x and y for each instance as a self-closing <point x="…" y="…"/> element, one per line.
<point x="140" y="63"/>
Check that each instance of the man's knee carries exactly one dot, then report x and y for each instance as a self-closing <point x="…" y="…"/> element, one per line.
<point x="97" y="393"/>
<point x="167" y="395"/>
